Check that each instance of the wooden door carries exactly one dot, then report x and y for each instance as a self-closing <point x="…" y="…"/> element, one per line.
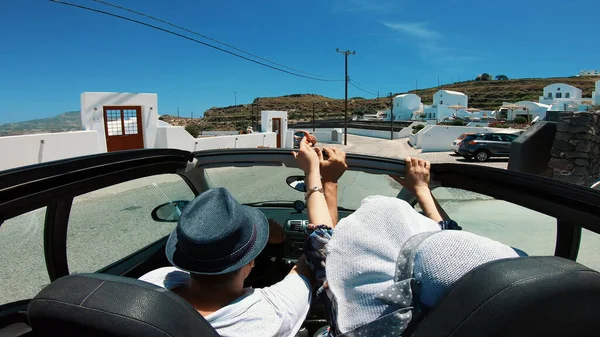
<point x="123" y="128"/>
<point x="277" y="129"/>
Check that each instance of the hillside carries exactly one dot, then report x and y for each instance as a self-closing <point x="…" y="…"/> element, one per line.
<point x="482" y="94"/>
<point x="490" y="95"/>
<point x="68" y="121"/>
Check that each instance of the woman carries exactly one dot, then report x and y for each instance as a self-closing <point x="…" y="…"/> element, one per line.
<point x="386" y="263"/>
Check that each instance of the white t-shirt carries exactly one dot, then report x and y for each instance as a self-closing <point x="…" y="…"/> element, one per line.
<point x="278" y="310"/>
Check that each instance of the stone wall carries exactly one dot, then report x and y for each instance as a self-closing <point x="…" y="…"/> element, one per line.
<point x="576" y="148"/>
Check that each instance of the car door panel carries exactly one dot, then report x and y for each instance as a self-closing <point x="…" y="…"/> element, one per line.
<point x="54" y="184"/>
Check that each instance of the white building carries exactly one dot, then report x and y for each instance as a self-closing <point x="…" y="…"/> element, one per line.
<point x="596" y="94"/>
<point x="560" y="91"/>
<point x="523" y="109"/>
<point x="443" y="100"/>
<point x="564" y="97"/>
<point x="589" y="73"/>
<point x="405" y="106"/>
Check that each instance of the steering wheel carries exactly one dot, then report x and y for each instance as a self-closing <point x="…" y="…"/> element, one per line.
<point x="267" y="266"/>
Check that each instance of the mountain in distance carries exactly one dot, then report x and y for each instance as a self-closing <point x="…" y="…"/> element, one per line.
<point x="487" y="95"/>
<point x="68" y="121"/>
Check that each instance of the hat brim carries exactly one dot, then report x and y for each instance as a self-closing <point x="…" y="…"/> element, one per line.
<point x="183" y="262"/>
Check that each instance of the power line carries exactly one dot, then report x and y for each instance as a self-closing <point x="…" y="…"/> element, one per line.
<point x="353" y="83"/>
<point x="364" y="87"/>
<point x="191" y="39"/>
<point x="208" y="38"/>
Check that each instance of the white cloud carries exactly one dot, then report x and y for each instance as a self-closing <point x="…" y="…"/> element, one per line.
<point x="414" y="29"/>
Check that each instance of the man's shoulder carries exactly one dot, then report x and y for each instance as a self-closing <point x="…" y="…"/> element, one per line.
<point x="166" y="277"/>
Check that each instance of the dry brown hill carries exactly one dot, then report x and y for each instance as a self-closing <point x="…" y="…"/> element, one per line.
<point x="490" y="95"/>
<point x="482" y="94"/>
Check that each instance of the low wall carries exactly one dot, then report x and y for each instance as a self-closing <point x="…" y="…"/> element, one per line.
<point x="408" y="130"/>
<point x="435" y="138"/>
<point x="254" y="140"/>
<point x="174" y="137"/>
<point x="372" y="133"/>
<point x="219" y="133"/>
<point x="324" y="135"/>
<point x="16" y="151"/>
<point x="576" y="148"/>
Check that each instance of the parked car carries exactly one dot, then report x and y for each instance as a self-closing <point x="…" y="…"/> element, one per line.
<point x="483" y="146"/>
<point x="87" y="226"/>
<point x="456" y="144"/>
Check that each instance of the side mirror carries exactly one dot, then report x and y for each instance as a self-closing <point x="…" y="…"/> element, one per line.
<point x="169" y="212"/>
<point x="296" y="182"/>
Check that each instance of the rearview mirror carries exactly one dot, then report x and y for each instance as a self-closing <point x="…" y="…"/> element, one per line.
<point x="169" y="212"/>
<point x="297" y="183"/>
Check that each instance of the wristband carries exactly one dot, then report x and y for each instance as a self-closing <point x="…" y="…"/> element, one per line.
<point x="311" y="191"/>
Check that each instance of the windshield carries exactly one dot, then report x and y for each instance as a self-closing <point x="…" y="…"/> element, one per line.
<point x="266" y="183"/>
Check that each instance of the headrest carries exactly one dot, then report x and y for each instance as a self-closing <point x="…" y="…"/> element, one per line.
<point x="528" y="296"/>
<point x="107" y="305"/>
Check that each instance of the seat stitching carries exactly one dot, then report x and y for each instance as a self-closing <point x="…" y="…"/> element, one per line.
<point x="90" y="294"/>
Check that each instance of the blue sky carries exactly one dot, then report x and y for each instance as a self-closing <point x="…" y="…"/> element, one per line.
<point x="52" y="53"/>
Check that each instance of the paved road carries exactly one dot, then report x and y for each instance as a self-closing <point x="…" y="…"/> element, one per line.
<point x="109" y="224"/>
<point x="399" y="148"/>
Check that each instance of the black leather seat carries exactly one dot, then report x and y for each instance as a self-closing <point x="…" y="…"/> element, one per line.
<point x="529" y="296"/>
<point x="106" y="305"/>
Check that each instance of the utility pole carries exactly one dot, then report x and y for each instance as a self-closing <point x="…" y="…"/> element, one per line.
<point x="177" y="112"/>
<point x="416" y="85"/>
<point x="257" y="112"/>
<point x="235" y="98"/>
<point x="313" y="116"/>
<point x="378" y="95"/>
<point x="192" y="115"/>
<point x="391" y="116"/>
<point x="346" y="53"/>
<point x="438" y="81"/>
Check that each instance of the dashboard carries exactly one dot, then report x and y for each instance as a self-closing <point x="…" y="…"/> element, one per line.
<point x="294" y="224"/>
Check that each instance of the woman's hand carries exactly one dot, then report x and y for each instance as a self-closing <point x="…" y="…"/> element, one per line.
<point x="334" y="167"/>
<point x="417" y="176"/>
<point x="306" y="157"/>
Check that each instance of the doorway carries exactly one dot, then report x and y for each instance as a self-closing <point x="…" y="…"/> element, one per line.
<point x="277" y="129"/>
<point x="123" y="128"/>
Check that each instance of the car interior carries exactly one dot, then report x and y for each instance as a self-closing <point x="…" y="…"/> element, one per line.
<point x="526" y="296"/>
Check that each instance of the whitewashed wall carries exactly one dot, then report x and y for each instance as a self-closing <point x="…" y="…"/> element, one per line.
<point x="174" y="137"/>
<point x="440" y="137"/>
<point x="324" y="135"/>
<point x="267" y="123"/>
<point x="92" y="113"/>
<point x="16" y="151"/>
<point x="372" y="133"/>
<point x="408" y="130"/>
<point x="219" y="133"/>
<point x="250" y="141"/>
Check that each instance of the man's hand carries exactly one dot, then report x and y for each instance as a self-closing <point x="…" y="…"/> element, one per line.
<point x="276" y="234"/>
<point x="334" y="167"/>
<point x="307" y="158"/>
<point x="416" y="176"/>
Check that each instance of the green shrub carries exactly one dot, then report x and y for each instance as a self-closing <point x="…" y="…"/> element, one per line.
<point x="457" y="122"/>
<point x="193" y="129"/>
<point x="417" y="128"/>
<point x="520" y="120"/>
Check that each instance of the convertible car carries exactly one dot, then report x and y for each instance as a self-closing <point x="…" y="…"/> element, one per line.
<point x="76" y="233"/>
